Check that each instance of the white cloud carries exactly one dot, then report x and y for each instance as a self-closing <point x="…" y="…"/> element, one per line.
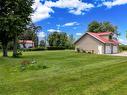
<point x="123" y="41"/>
<point x="41" y="34"/>
<point x="43" y="11"/>
<point x="110" y="4"/>
<point x="71" y="24"/>
<point x="74" y="6"/>
<point x="78" y="34"/>
<point x="53" y="30"/>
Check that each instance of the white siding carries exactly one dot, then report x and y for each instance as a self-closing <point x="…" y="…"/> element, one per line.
<point x="89" y="43"/>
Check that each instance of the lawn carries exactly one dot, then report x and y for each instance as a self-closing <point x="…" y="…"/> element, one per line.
<point x="66" y="73"/>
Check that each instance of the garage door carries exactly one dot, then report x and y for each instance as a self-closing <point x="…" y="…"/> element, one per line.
<point x="115" y="49"/>
<point x="108" y="49"/>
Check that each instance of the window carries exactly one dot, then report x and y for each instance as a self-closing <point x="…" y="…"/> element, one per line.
<point x="110" y="37"/>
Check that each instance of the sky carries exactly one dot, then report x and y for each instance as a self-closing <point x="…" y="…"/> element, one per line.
<point x="73" y="16"/>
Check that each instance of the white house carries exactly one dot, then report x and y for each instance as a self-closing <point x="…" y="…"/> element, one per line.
<point x="26" y="43"/>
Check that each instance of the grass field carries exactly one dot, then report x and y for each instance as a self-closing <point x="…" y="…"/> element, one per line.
<point x="67" y="73"/>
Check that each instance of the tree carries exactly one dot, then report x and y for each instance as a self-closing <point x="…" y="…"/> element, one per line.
<point x="42" y="43"/>
<point x="107" y="26"/>
<point x="93" y="26"/>
<point x="101" y="27"/>
<point x="30" y="34"/>
<point x="70" y="42"/>
<point x="22" y="10"/>
<point x="5" y="18"/>
<point x="15" y="16"/>
<point x="5" y="22"/>
<point x="57" y="39"/>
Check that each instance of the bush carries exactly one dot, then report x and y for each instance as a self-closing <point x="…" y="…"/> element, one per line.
<point x="78" y="50"/>
<point x="23" y="64"/>
<point x="71" y="47"/>
<point x="83" y="51"/>
<point x="31" y="65"/>
<point x="56" y="48"/>
<point x="123" y="47"/>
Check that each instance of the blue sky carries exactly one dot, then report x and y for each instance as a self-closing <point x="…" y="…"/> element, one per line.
<point x="73" y="16"/>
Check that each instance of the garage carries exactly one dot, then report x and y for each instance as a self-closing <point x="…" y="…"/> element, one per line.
<point x="108" y="49"/>
<point x="100" y="43"/>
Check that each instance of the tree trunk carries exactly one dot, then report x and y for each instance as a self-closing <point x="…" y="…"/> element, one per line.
<point x="15" y="46"/>
<point x="5" y="50"/>
<point x="24" y="44"/>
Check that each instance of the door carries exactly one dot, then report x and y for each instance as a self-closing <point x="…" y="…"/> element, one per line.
<point x="99" y="49"/>
<point x="108" y="49"/>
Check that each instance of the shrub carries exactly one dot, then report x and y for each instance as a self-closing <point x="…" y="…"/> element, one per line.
<point x="36" y="67"/>
<point x="19" y="53"/>
<point x="123" y="47"/>
<point x="23" y="64"/>
<point x="78" y="50"/>
<point x="83" y="51"/>
<point x="56" y="48"/>
<point x="31" y="65"/>
<point x="89" y="52"/>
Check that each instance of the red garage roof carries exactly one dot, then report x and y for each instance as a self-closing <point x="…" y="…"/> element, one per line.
<point x="99" y="36"/>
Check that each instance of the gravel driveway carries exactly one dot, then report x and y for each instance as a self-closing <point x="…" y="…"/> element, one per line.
<point x="119" y="54"/>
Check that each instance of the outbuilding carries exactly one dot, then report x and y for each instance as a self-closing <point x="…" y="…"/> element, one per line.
<point x="99" y="43"/>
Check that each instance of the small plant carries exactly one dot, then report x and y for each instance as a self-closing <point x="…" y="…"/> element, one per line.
<point x="89" y="52"/>
<point x="19" y="53"/>
<point x="83" y="51"/>
<point x="78" y="50"/>
<point x="31" y="65"/>
<point x="23" y="64"/>
<point x="33" y="61"/>
<point x="45" y="67"/>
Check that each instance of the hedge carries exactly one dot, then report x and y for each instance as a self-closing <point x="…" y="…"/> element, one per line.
<point x="123" y="47"/>
<point x="56" y="48"/>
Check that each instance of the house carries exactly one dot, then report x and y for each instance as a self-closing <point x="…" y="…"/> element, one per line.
<point x="26" y="43"/>
<point x="99" y="43"/>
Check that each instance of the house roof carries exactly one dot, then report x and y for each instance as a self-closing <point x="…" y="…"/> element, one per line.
<point x="26" y="41"/>
<point x="99" y="37"/>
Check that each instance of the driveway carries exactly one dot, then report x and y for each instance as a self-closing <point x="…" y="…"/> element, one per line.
<point x="120" y="54"/>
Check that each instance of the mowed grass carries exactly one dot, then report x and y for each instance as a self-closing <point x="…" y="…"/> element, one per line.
<point x="67" y="73"/>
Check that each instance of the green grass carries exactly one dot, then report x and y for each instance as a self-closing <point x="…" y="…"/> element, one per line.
<point x="68" y="73"/>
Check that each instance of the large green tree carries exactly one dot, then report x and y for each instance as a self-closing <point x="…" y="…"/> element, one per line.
<point x="57" y="39"/>
<point x="101" y="27"/>
<point x="5" y="23"/>
<point x="14" y="18"/>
